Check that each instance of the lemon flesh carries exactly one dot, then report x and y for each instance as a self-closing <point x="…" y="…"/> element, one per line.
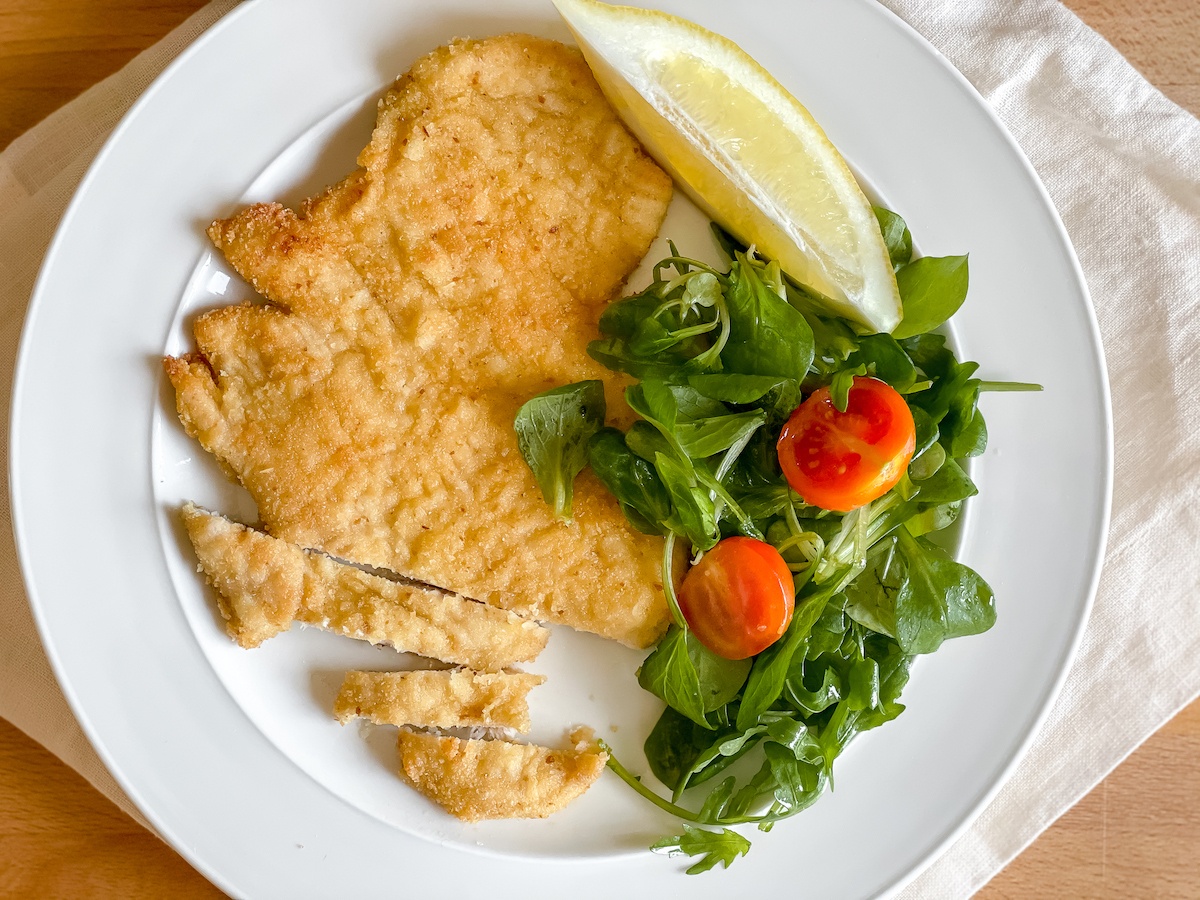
<point x="744" y="149"/>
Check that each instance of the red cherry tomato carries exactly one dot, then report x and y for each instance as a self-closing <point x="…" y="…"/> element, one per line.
<point x="738" y="599"/>
<point x="842" y="460"/>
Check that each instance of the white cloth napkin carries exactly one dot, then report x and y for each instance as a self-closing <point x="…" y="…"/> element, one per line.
<point x="1122" y="164"/>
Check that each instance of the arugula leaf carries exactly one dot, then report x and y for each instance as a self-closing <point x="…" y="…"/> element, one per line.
<point x="798" y="783"/>
<point x="689" y="677"/>
<point x="622" y="318"/>
<point x="718" y="800"/>
<point x="893" y="676"/>
<point x="930" y="353"/>
<point x="896" y="236"/>
<point x="712" y="847"/>
<point x="947" y="485"/>
<point x="836" y="735"/>
<point x="553" y="430"/>
<point x="662" y="405"/>
<point x="829" y="630"/>
<point x="952" y="401"/>
<point x="864" y="685"/>
<point x="727" y="748"/>
<point x="694" y="508"/>
<point x="707" y="437"/>
<point x="770" y="670"/>
<point x="946" y="393"/>
<point x="833" y="339"/>
<point x="758" y="464"/>
<point x="669" y="674"/>
<point x="677" y="324"/>
<point x="796" y="736"/>
<point x="926" y="430"/>
<point x="916" y="594"/>
<point x="964" y="431"/>
<point x="886" y="359"/>
<point x="763" y="782"/>
<point x="632" y="480"/>
<point x="614" y="353"/>
<point x="681" y="323"/>
<point x="839" y="388"/>
<point x="673" y="745"/>
<point x="728" y="244"/>
<point x="933" y="517"/>
<point x="646" y="441"/>
<point x="739" y="389"/>
<point x="767" y="335"/>
<point x="812" y="702"/>
<point x="931" y="291"/>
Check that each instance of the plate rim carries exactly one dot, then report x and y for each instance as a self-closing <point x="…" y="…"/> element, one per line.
<point x="21" y="376"/>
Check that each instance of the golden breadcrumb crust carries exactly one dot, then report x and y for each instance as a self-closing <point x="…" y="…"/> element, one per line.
<point x="438" y="699"/>
<point x="264" y="584"/>
<point x="368" y="406"/>
<point x="497" y="779"/>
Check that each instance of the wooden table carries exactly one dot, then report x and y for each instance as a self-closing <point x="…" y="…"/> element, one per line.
<point x="1135" y="835"/>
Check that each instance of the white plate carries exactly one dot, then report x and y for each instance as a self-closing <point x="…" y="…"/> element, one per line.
<point x="232" y="754"/>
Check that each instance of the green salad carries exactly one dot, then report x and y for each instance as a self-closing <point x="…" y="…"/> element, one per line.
<point x="804" y="467"/>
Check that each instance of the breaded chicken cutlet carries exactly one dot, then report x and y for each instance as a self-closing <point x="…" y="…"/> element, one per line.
<point x="412" y="308"/>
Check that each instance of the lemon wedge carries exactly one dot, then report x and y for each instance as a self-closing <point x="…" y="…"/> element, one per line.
<point x="744" y="149"/>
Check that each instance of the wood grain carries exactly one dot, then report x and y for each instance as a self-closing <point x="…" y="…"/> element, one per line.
<point x="53" y="50"/>
<point x="59" y="837"/>
<point x="1160" y="37"/>
<point x="1134" y="836"/>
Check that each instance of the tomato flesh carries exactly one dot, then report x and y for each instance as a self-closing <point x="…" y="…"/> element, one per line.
<point x="842" y="460"/>
<point x="738" y="599"/>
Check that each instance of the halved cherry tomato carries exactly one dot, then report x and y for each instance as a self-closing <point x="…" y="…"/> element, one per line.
<point x="738" y="599"/>
<point x="842" y="460"/>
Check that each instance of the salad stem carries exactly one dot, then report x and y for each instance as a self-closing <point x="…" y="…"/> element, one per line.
<point x="636" y="783"/>
<point x="687" y="815"/>
<point x="1004" y="386"/>
<point x="668" y="573"/>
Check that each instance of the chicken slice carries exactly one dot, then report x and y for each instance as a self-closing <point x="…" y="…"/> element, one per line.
<point x="438" y="699"/>
<point x="264" y="584"/>
<point x="476" y="780"/>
